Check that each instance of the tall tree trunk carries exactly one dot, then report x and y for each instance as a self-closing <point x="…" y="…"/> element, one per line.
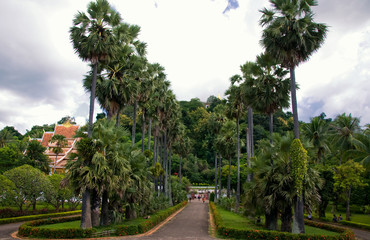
<point x="238" y="166"/>
<point x="286" y="219"/>
<point x="104" y="219"/>
<point x="86" y="210"/>
<point x="298" y="219"/>
<point x="348" y="213"/>
<point x="294" y="102"/>
<point x="169" y="179"/>
<point x="118" y="117"/>
<point x="55" y="163"/>
<point x="271" y="117"/>
<point x="219" y="179"/>
<point x="250" y="128"/>
<point x="180" y="170"/>
<point x="154" y="150"/>
<point x="215" y="177"/>
<point x="229" y="180"/>
<point x="143" y="132"/>
<point x="134" y="124"/>
<point x="130" y="212"/>
<point x="95" y="208"/>
<point x="248" y="147"/>
<point x="92" y="99"/>
<point x="149" y="132"/>
<point x="271" y="220"/>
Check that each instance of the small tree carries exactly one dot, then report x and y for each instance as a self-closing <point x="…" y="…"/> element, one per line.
<point x="30" y="183"/>
<point x="8" y="195"/>
<point x="346" y="177"/>
<point x="55" y="194"/>
<point x="60" y="142"/>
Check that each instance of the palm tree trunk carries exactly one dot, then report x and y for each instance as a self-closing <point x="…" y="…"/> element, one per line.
<point x="286" y="219"/>
<point x="134" y="124"/>
<point x="86" y="210"/>
<point x="143" y="132"/>
<point x="271" y="116"/>
<point x="294" y="102"/>
<point x="104" y="220"/>
<point x="247" y="146"/>
<point x="298" y="219"/>
<point x="219" y="179"/>
<point x="149" y="132"/>
<point x="180" y="170"/>
<point x="55" y="163"/>
<point x="348" y="214"/>
<point x="92" y="99"/>
<point x="169" y="179"/>
<point x="215" y="177"/>
<point x="118" y="118"/>
<point x="250" y="128"/>
<point x="229" y="180"/>
<point x="95" y="205"/>
<point x="271" y="220"/>
<point x="238" y="166"/>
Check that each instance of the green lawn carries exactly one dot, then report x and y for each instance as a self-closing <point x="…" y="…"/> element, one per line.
<point x="234" y="220"/>
<point x="73" y="224"/>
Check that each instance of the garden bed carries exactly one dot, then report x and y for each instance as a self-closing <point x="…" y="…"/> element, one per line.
<point x="45" y="228"/>
<point x="251" y="231"/>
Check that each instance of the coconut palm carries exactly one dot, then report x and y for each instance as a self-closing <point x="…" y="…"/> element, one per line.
<point x="93" y="40"/>
<point x="291" y="36"/>
<point x="60" y="142"/>
<point x="361" y="152"/>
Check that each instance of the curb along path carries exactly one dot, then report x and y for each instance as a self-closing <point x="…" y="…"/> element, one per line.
<point x="191" y="223"/>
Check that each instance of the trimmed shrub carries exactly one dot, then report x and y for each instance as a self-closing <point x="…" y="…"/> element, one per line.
<point x="345" y="234"/>
<point x="355" y="224"/>
<point x="31" y="229"/>
<point x="35" y="217"/>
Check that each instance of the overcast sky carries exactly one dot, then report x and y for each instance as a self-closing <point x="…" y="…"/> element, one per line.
<point x="201" y="44"/>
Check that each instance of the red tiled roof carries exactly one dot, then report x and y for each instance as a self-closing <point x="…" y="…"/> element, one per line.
<point x="46" y="138"/>
<point x="68" y="132"/>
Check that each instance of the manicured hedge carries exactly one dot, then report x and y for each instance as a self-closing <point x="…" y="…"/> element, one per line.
<point x="355" y="224"/>
<point x="31" y="229"/>
<point x="147" y="224"/>
<point x="35" y="217"/>
<point x="345" y="234"/>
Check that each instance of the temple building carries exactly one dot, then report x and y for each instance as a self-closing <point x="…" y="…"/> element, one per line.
<point x="68" y="131"/>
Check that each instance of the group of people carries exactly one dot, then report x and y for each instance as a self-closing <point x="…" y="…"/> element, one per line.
<point x="199" y="196"/>
<point x="335" y="218"/>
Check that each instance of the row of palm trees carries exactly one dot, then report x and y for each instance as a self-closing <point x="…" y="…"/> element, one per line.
<point x="290" y="36"/>
<point x="121" y="76"/>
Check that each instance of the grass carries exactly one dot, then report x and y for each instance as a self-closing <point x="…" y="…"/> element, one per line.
<point x="233" y="220"/>
<point x="64" y="225"/>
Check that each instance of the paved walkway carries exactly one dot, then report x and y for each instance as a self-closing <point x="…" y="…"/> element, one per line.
<point x="7" y="229"/>
<point x="190" y="224"/>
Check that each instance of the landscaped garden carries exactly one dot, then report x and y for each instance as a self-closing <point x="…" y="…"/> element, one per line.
<point x="132" y="167"/>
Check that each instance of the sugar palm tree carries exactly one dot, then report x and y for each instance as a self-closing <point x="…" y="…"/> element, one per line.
<point x="93" y="40"/>
<point x="291" y="36"/>
<point x="267" y="87"/>
<point x="60" y="142"/>
<point x="236" y="101"/>
<point x="317" y="132"/>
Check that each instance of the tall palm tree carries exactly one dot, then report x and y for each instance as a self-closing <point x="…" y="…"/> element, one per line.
<point x="60" y="142"/>
<point x="93" y="40"/>
<point x="361" y="152"/>
<point x="267" y="88"/>
<point x="317" y="132"/>
<point x="291" y="36"/>
<point x="236" y="101"/>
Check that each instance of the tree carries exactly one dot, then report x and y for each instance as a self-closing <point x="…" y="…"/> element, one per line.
<point x="8" y="195"/>
<point x="9" y="158"/>
<point x="291" y="36"/>
<point x="346" y="177"/>
<point x="361" y="153"/>
<point x="55" y="194"/>
<point x="30" y="183"/>
<point x="93" y="40"/>
<point x="59" y="142"/>
<point x="35" y="156"/>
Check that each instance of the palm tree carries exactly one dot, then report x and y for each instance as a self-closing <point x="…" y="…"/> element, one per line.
<point x="317" y="132"/>
<point x="60" y="143"/>
<point x="291" y="36"/>
<point x="361" y="153"/>
<point x="267" y="89"/>
<point x="93" y="40"/>
<point x="236" y="101"/>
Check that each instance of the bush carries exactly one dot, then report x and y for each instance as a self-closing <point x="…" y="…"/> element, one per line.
<point x="345" y="234"/>
<point x="355" y="224"/>
<point x="35" y="217"/>
<point x="30" y="229"/>
<point x="212" y="197"/>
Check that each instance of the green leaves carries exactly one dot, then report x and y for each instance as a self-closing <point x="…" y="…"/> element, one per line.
<point x="298" y="156"/>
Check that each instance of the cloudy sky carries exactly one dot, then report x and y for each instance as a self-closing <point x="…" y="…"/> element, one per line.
<point x="201" y="44"/>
